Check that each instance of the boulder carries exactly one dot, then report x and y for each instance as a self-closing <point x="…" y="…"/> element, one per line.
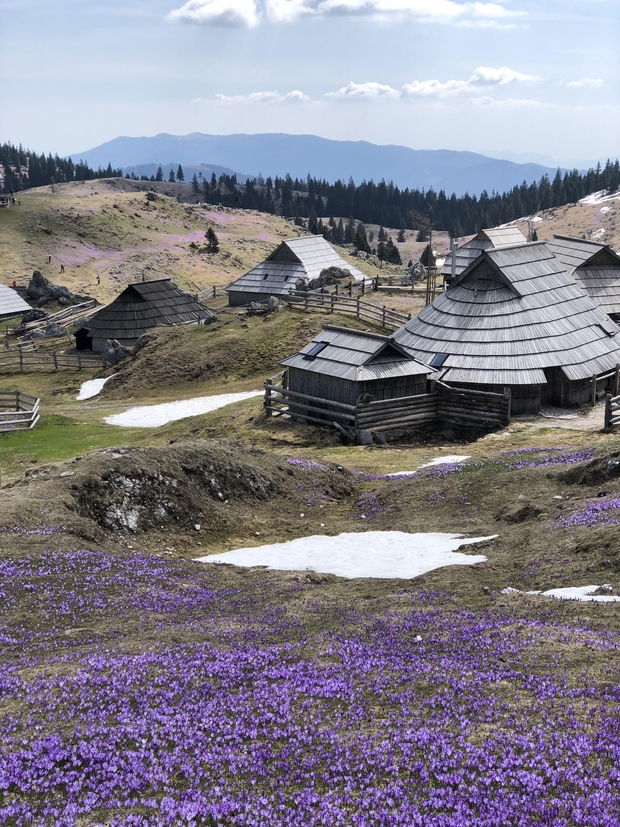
<point x="38" y="286"/>
<point x="115" y="351"/>
<point x="273" y="304"/>
<point x="330" y="275"/>
<point x="53" y="329"/>
<point x="33" y="315"/>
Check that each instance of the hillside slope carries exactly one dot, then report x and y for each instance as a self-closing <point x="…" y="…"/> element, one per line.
<point x="108" y="228"/>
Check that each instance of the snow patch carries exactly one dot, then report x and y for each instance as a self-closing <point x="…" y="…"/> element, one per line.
<point x="605" y="209"/>
<point x="91" y="388"/>
<point x="448" y="459"/>
<point x="583" y="593"/>
<point x="153" y="416"/>
<point x="599" y="197"/>
<point x="381" y="554"/>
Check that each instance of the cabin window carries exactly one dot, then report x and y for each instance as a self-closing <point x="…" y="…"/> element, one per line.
<point x="286" y="278"/>
<point x="266" y="276"/>
<point x="438" y="360"/>
<point x="316" y="348"/>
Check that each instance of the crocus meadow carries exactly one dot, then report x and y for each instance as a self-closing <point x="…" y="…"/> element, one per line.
<point x="145" y="691"/>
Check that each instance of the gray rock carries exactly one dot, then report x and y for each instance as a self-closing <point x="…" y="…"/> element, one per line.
<point x="33" y="315"/>
<point x="53" y="329"/>
<point x="365" y="437"/>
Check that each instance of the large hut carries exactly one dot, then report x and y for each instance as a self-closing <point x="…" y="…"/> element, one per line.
<point x="344" y="365"/>
<point x="595" y="267"/>
<point x="298" y="260"/>
<point x="11" y="303"/>
<point x="140" y="307"/>
<point x="491" y="239"/>
<point x="515" y="318"/>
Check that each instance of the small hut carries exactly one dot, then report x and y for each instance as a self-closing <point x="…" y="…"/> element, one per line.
<point x="595" y="267"/>
<point x="344" y="365"/>
<point x="299" y="259"/>
<point x="11" y="303"/>
<point x="140" y="307"/>
<point x="515" y="318"/>
<point x="490" y="239"/>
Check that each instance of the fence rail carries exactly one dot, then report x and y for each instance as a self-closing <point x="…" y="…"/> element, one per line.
<point x="18" y="411"/>
<point x="346" y="304"/>
<point x="68" y="316"/>
<point x="21" y="360"/>
<point x="212" y="292"/>
<point x="451" y="406"/>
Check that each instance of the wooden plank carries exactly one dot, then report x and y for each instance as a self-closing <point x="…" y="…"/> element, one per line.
<point x="296" y="395"/>
<point x="316" y="409"/>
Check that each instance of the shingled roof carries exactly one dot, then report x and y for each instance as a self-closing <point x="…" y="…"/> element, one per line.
<point x="293" y="259"/>
<point x="145" y="305"/>
<point x="355" y="355"/>
<point x="492" y="238"/>
<point x="594" y="266"/>
<point x="513" y="312"/>
<point x="11" y="303"/>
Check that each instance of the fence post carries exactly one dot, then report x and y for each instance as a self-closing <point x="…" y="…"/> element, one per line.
<point x="55" y="357"/>
<point x="267" y="402"/>
<point x="608" y="413"/>
<point x="383" y="317"/>
<point x="593" y="400"/>
<point x="617" y="381"/>
<point x="214" y="290"/>
<point x="350" y="289"/>
<point x="79" y="358"/>
<point x="21" y="360"/>
<point x="508" y="394"/>
<point x="331" y="302"/>
<point x="357" y="308"/>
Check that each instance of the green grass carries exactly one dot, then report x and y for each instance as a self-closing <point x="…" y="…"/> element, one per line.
<point x="54" y="439"/>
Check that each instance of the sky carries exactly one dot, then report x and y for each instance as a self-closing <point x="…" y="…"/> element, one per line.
<point x="516" y="79"/>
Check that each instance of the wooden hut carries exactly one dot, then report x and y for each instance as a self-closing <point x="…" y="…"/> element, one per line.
<point x="490" y="239"/>
<point x="344" y="365"/>
<point x="11" y="303"/>
<point x="595" y="267"/>
<point x="299" y="259"/>
<point x="515" y="318"/>
<point x="140" y="307"/>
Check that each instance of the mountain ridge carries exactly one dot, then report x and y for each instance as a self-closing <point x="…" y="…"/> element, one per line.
<point x="299" y="155"/>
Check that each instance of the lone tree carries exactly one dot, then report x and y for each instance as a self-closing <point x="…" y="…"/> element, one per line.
<point x="180" y="176"/>
<point x="171" y="178"/>
<point x="159" y="175"/>
<point x="213" y="245"/>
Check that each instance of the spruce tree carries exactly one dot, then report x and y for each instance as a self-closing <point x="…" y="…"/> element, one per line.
<point x="159" y="175"/>
<point x="180" y="176"/>
<point x="171" y="178"/>
<point x="213" y="244"/>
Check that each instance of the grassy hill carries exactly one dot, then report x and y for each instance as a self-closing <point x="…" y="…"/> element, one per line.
<point x="109" y="228"/>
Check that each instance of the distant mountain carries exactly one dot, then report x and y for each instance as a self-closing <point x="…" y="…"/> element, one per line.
<point x="205" y="170"/>
<point x="278" y="154"/>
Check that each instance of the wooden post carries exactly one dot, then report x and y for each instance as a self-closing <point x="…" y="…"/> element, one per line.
<point x="79" y="360"/>
<point x="350" y="289"/>
<point x="55" y="358"/>
<point x="357" y="307"/>
<point x="608" y="413"/>
<point x="267" y="403"/>
<point x="21" y="360"/>
<point x="383" y="317"/>
<point x="214" y="289"/>
<point x="331" y="302"/>
<point x="593" y="400"/>
<point x="617" y="381"/>
<point x="509" y="395"/>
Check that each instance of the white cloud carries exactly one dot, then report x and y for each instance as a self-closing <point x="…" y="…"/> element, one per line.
<point x="512" y="103"/>
<point x="364" y="91"/>
<point x="485" y="76"/>
<point x="229" y="13"/>
<point x="245" y="12"/>
<point x="481" y="77"/>
<point x="265" y="97"/>
<point x="586" y="83"/>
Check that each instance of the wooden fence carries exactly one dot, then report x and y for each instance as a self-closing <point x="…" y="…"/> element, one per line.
<point x="212" y="292"/>
<point x="472" y="408"/>
<point x="20" y="360"/>
<point x="18" y="411"/>
<point x="69" y="316"/>
<point x="612" y="411"/>
<point x="334" y="302"/>
<point x="451" y="406"/>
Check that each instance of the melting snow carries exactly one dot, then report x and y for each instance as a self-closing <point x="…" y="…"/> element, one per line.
<point x="90" y="388"/>
<point x="153" y="416"/>
<point x="449" y="458"/>
<point x="584" y="593"/>
<point x="605" y="209"/>
<point x="599" y="197"/>
<point x="383" y="554"/>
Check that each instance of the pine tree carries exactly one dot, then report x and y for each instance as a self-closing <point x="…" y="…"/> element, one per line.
<point x="213" y="244"/>
<point x="382" y="234"/>
<point x="428" y="257"/>
<point x="392" y="254"/>
<point x="195" y="186"/>
<point x="360" y="242"/>
<point x="171" y="178"/>
<point x="401" y="236"/>
<point x="180" y="176"/>
<point x="159" y="175"/>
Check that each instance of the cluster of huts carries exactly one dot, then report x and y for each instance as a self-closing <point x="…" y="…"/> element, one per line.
<point x="534" y="321"/>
